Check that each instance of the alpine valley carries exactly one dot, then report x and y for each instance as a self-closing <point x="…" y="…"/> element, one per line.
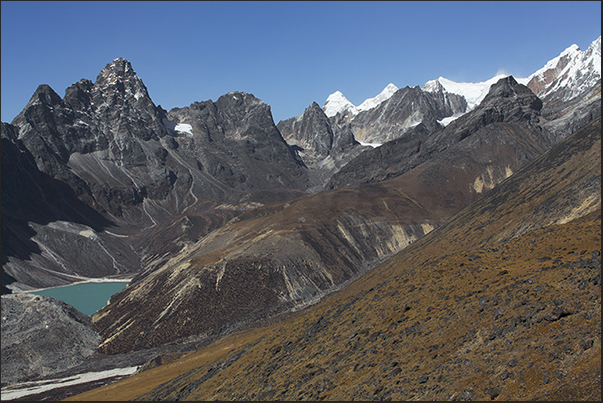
<point x="432" y="243"/>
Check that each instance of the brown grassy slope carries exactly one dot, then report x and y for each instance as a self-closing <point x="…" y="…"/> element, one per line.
<point x="488" y="306"/>
<point x="317" y="241"/>
<point x="435" y="335"/>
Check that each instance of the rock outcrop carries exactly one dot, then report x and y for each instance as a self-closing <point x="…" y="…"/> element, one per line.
<point x="41" y="336"/>
<point x="323" y="145"/>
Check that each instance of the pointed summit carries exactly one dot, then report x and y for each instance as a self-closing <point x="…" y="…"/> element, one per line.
<point x="337" y="102"/>
<point x="384" y="95"/>
<point x="433" y="86"/>
<point x="507" y="101"/>
<point x="506" y="87"/>
<point x="46" y="95"/>
<point x="118" y="69"/>
<point x="118" y="78"/>
<point x="44" y="98"/>
<point x="569" y="74"/>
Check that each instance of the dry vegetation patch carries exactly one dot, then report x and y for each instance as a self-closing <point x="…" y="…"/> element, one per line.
<point x="510" y="320"/>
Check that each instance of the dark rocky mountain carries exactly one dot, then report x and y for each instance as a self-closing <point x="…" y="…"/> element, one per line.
<point x="323" y="145"/>
<point x="42" y="220"/>
<point x="508" y="117"/>
<point x="327" y="143"/>
<point x="406" y="108"/>
<point x="124" y="171"/>
<point x="239" y="144"/>
<point x="520" y="267"/>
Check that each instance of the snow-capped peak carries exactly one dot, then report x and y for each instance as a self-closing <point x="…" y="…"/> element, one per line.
<point x="568" y="74"/>
<point x="384" y="95"/>
<point x="474" y="93"/>
<point x="556" y="63"/>
<point x="337" y="102"/>
<point x="433" y="86"/>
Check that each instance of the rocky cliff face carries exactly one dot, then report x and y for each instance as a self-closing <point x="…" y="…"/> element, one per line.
<point x="235" y="141"/>
<point x="405" y="109"/>
<point x="136" y="171"/>
<point x="41" y="336"/>
<point x="323" y="145"/>
<point x="570" y="87"/>
<point x="568" y="75"/>
<point x="42" y="221"/>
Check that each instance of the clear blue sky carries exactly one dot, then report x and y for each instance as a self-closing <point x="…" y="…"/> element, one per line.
<point x="288" y="54"/>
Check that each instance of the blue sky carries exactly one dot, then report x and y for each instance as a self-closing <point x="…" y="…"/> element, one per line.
<point x="288" y="54"/>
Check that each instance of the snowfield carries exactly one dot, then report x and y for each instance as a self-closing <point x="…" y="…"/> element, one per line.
<point x="19" y="390"/>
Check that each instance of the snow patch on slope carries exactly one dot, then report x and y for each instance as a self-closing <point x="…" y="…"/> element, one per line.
<point x="183" y="128"/>
<point x="30" y="388"/>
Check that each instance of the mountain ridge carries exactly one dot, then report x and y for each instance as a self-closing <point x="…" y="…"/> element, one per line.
<point x="570" y="63"/>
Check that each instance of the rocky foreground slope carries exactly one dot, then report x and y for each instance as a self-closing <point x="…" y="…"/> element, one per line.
<point x="502" y="302"/>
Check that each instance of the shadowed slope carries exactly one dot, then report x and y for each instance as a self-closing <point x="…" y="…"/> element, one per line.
<point x="501" y="302"/>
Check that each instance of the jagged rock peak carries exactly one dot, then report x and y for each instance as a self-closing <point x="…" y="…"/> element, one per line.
<point x="45" y="95"/>
<point x="509" y="87"/>
<point x="569" y="74"/>
<point x="314" y="106"/>
<point x="240" y="97"/>
<point x="433" y="86"/>
<point x="118" y="79"/>
<point x="118" y="69"/>
<point x="238" y="106"/>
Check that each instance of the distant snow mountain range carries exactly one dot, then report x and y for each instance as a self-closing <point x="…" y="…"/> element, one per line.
<point x="327" y="138"/>
<point x="337" y="102"/>
<point x="573" y="70"/>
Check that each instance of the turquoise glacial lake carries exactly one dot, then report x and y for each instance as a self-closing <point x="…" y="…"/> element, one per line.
<point x="85" y="297"/>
